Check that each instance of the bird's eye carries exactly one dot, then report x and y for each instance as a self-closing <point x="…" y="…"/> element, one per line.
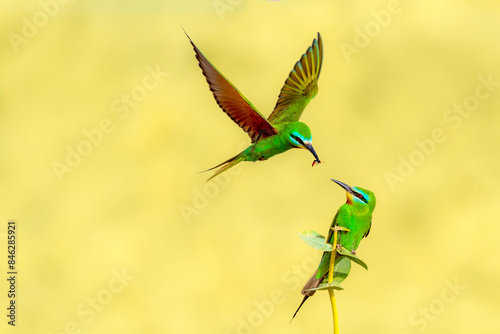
<point x="360" y="196"/>
<point x="297" y="139"/>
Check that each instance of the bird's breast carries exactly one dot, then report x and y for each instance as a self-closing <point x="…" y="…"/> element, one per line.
<point x="267" y="148"/>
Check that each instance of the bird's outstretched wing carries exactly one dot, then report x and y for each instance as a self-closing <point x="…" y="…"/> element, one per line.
<point x="232" y="102"/>
<point x="301" y="85"/>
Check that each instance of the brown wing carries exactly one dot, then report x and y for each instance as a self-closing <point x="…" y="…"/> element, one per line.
<point x="232" y="102"/>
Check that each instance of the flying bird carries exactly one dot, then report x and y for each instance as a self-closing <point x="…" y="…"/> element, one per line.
<point x="282" y="130"/>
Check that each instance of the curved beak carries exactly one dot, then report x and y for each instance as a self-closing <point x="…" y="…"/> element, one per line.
<point x="310" y="148"/>
<point x="347" y="188"/>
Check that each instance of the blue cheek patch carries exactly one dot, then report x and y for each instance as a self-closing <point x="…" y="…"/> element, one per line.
<point x="358" y="199"/>
<point x="300" y="136"/>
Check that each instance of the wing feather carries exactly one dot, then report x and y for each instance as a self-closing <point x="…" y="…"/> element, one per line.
<point x="301" y="85"/>
<point x="232" y="102"/>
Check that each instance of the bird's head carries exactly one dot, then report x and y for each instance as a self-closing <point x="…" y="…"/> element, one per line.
<point x="299" y="136"/>
<point x="359" y="197"/>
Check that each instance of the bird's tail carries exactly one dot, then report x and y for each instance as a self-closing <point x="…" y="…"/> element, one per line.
<point x="226" y="165"/>
<point x="298" y="308"/>
<point x="312" y="283"/>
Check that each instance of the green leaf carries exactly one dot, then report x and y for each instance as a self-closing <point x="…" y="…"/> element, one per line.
<point x="345" y="252"/>
<point x="326" y="286"/>
<point x="315" y="240"/>
<point x="341" y="269"/>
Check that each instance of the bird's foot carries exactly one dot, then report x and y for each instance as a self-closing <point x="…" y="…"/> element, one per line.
<point x="339" y="247"/>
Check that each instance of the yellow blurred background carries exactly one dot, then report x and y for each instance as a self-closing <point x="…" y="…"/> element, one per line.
<point x="107" y="121"/>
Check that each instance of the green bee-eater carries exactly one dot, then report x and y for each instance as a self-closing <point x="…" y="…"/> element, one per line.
<point x="355" y="215"/>
<point x="282" y="130"/>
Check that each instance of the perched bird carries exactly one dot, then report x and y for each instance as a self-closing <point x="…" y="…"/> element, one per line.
<point x="355" y="215"/>
<point x="282" y="130"/>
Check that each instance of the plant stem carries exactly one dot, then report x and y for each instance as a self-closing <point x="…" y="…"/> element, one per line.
<point x="330" y="279"/>
<point x="334" y="312"/>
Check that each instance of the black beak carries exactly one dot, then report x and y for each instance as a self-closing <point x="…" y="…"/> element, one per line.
<point x="343" y="185"/>
<point x="313" y="152"/>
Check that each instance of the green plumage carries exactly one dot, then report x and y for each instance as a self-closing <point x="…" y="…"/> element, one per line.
<point x="355" y="215"/>
<point x="282" y="130"/>
<point x="265" y="148"/>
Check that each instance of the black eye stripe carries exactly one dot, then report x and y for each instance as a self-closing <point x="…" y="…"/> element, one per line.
<point x="360" y="196"/>
<point x="298" y="139"/>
